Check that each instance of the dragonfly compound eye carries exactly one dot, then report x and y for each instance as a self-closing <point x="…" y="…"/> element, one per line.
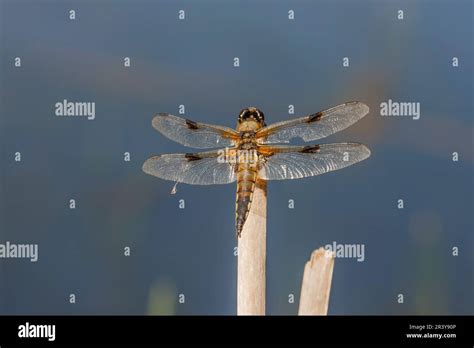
<point x="251" y="114"/>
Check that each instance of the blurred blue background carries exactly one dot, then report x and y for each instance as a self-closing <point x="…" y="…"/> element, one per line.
<point x="190" y="251"/>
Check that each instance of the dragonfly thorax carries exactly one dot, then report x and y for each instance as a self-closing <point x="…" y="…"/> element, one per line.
<point x="247" y="140"/>
<point x="247" y="145"/>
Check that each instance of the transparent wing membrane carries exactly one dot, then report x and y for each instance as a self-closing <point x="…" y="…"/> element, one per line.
<point x="315" y="126"/>
<point x="193" y="134"/>
<point x="295" y="162"/>
<point x="200" y="168"/>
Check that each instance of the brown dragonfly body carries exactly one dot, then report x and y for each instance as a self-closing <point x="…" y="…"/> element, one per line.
<point x="251" y="152"/>
<point x="250" y="121"/>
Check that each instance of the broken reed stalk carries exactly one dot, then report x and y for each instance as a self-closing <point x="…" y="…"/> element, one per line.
<point x="252" y="255"/>
<point x="316" y="285"/>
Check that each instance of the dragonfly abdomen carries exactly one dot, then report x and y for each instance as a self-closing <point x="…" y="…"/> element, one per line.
<point x="246" y="177"/>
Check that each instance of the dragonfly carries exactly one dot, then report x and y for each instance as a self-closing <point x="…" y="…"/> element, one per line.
<point x="254" y="151"/>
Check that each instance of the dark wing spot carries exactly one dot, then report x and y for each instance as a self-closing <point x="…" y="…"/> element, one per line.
<point x="192" y="157"/>
<point x="310" y="149"/>
<point x="191" y="124"/>
<point x="315" y="117"/>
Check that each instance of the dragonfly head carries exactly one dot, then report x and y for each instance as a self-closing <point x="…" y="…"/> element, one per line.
<point x="252" y="114"/>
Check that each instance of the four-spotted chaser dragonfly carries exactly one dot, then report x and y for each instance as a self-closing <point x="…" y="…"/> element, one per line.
<point x="252" y="152"/>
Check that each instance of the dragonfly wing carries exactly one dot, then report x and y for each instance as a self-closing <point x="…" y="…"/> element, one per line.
<point x="295" y="162"/>
<point x="200" y="168"/>
<point x="315" y="126"/>
<point x="193" y="134"/>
